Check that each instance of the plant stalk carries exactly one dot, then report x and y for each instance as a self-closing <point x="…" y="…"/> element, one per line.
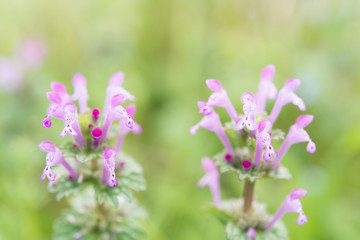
<point x="248" y="195"/>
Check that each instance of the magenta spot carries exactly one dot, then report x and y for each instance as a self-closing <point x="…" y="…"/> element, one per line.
<point x="228" y="158"/>
<point x="113" y="175"/>
<point x="96" y="133"/>
<point x="91" y="126"/>
<point x="68" y="125"/>
<point x="243" y="124"/>
<point x="70" y="130"/>
<point x="70" y="177"/>
<point x="122" y="164"/>
<point x="95" y="112"/>
<point x="246" y="165"/>
<point x="50" y="174"/>
<point x="246" y="118"/>
<point x="270" y="147"/>
<point x="47" y="169"/>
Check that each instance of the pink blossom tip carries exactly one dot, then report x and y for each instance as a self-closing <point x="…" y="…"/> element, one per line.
<point x="304" y="120"/>
<point x="251" y="233"/>
<point x="214" y="85"/>
<point x="47" y="146"/>
<point x="246" y="165"/>
<point x="205" y="108"/>
<point x="117" y="100"/>
<point x="109" y="153"/>
<point x="117" y="79"/>
<point x="247" y="97"/>
<point x="58" y="87"/>
<point x="297" y="193"/>
<point x="47" y="122"/>
<point x="54" y="97"/>
<point x="268" y="73"/>
<point x="208" y="165"/>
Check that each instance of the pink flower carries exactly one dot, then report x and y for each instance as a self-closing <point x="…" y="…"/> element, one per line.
<point x="116" y="112"/>
<point x="267" y="89"/>
<point x="211" y="121"/>
<point x="109" y="161"/>
<point x="54" y="157"/>
<point x="80" y="92"/>
<point x="297" y="134"/>
<point x="263" y="140"/>
<point x="114" y="88"/>
<point x="211" y="179"/>
<point x="72" y="126"/>
<point x="291" y="204"/>
<point x="251" y="233"/>
<point x="286" y="96"/>
<point x="220" y="98"/>
<point x="249" y="111"/>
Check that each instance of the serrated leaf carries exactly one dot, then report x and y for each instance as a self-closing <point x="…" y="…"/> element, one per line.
<point x="131" y="175"/>
<point x="222" y="215"/>
<point x="111" y="194"/>
<point x="65" y="187"/>
<point x="85" y="157"/>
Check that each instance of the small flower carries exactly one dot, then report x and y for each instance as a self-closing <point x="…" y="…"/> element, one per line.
<point x="297" y="134"/>
<point x="109" y="167"/>
<point x="286" y="96"/>
<point x="96" y="134"/>
<point x="95" y="114"/>
<point x="211" y="179"/>
<point x="211" y="121"/>
<point x="228" y="158"/>
<point x="72" y="126"/>
<point x="267" y="89"/>
<point x="54" y="157"/>
<point x="263" y="140"/>
<point x="80" y="92"/>
<point x="116" y="112"/>
<point x="114" y="88"/>
<point x="251" y="233"/>
<point x="220" y="98"/>
<point x="291" y="204"/>
<point x="249" y="111"/>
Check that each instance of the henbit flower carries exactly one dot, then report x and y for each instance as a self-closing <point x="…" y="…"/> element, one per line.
<point x="267" y="89"/>
<point x="114" y="88"/>
<point x="54" y="157"/>
<point x="116" y="112"/>
<point x="211" y="179"/>
<point x="263" y="140"/>
<point x="96" y="134"/>
<point x="124" y="129"/>
<point x="286" y="95"/>
<point x="211" y="121"/>
<point x="109" y="167"/>
<point x="249" y="111"/>
<point x="291" y="204"/>
<point x="251" y="233"/>
<point x="72" y="126"/>
<point x="31" y="52"/>
<point x="80" y="92"/>
<point x="220" y="98"/>
<point x="297" y="134"/>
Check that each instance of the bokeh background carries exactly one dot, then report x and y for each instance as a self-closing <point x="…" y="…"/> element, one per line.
<point x="167" y="50"/>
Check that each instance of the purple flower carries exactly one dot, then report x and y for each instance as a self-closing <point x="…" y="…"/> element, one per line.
<point x="124" y="129"/>
<point x="211" y="121"/>
<point x="297" y="134"/>
<point x="114" y="88"/>
<point x="286" y="96"/>
<point x="54" y="157"/>
<point x="251" y="233"/>
<point x="109" y="167"/>
<point x="72" y="126"/>
<point x="211" y="179"/>
<point x="249" y="111"/>
<point x="267" y="89"/>
<point x="220" y="98"/>
<point x="116" y="112"/>
<point x="80" y="92"/>
<point x="263" y="140"/>
<point x="291" y="204"/>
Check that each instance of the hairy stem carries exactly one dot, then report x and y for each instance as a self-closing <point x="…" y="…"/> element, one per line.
<point x="248" y="195"/>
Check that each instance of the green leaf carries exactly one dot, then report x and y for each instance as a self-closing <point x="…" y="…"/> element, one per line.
<point x="110" y="194"/>
<point x="281" y="173"/>
<point x="65" y="187"/>
<point x="278" y="232"/>
<point x="222" y="215"/>
<point x="131" y="175"/>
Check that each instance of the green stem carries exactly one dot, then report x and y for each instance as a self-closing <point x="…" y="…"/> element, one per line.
<point x="248" y="195"/>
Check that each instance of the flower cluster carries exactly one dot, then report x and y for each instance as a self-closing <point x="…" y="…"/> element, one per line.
<point x="93" y="156"/>
<point x="249" y="151"/>
<point x="28" y="55"/>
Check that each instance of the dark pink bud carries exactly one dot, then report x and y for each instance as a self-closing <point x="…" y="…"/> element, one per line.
<point x="96" y="133"/>
<point x="228" y="158"/>
<point x="95" y="114"/>
<point x="246" y="165"/>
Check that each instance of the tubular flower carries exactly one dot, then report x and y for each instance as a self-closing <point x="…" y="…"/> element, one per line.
<point x="211" y="121"/>
<point x="291" y="204"/>
<point x="211" y="179"/>
<point x="89" y="130"/>
<point x="286" y="96"/>
<point x="248" y="141"/>
<point x="267" y="89"/>
<point x="297" y="134"/>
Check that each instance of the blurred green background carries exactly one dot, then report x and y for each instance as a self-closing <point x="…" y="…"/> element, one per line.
<point x="167" y="49"/>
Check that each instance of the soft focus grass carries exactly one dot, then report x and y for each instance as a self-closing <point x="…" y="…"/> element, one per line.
<point x="167" y="49"/>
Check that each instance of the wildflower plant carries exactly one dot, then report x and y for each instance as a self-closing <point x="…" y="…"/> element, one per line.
<point x="90" y="168"/>
<point x="248" y="140"/>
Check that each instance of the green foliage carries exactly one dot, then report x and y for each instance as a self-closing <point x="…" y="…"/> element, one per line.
<point x="277" y="232"/>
